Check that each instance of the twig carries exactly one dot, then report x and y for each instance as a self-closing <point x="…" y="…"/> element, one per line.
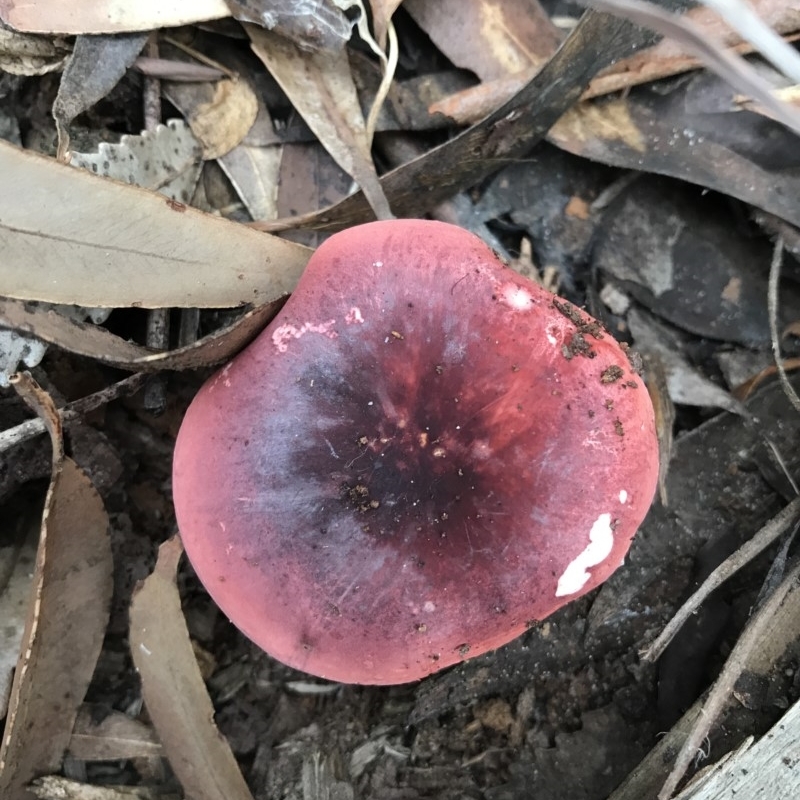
<point x="35" y="427"/>
<point x="772" y="303"/>
<point x="775" y="528"/>
<point x="720" y="692"/>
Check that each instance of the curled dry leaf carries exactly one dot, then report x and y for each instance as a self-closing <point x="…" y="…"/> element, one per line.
<point x="107" y="16"/>
<point x="67" y="616"/>
<point x="173" y="688"/>
<point x="97" y="343"/>
<point x="223" y="122"/>
<point x="165" y="255"/>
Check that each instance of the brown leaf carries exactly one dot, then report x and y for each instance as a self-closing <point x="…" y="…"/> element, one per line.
<point x="667" y="135"/>
<point x="253" y="172"/>
<point x="70" y="237"/>
<point x="107" y="16"/>
<point x="67" y="617"/>
<point x="225" y="120"/>
<point x="19" y="536"/>
<point x="173" y="688"/>
<point x="382" y="12"/>
<point x="493" y="39"/>
<point x="664" y="59"/>
<point x="508" y="134"/>
<point x="98" y="343"/>
<point x="321" y="88"/>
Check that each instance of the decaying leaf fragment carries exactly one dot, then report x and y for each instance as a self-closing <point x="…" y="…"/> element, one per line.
<point x="173" y="688"/>
<point x="67" y="616"/>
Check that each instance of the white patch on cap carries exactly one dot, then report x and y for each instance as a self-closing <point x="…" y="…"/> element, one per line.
<point x="623" y="496"/>
<point x="283" y="334"/>
<point x="353" y="315"/>
<point x="515" y="297"/>
<point x="601" y="542"/>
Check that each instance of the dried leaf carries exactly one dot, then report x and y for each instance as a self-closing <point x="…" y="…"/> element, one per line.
<point x="382" y="12"/>
<point x="115" y="736"/>
<point x="725" y="63"/>
<point x="67" y="617"/>
<point x="492" y="38"/>
<point x="321" y="88"/>
<point x="54" y="787"/>
<point x="222" y="123"/>
<point x="166" y="160"/>
<point x="664" y="59"/>
<point x="611" y="122"/>
<point x="313" y="25"/>
<point x="505" y="136"/>
<point x="101" y="345"/>
<point x="107" y="16"/>
<point x="309" y="180"/>
<point x="23" y="54"/>
<point x="95" y="67"/>
<point x="173" y="688"/>
<point x="682" y="135"/>
<point x="253" y="171"/>
<point x="16" y="570"/>
<point x="121" y="246"/>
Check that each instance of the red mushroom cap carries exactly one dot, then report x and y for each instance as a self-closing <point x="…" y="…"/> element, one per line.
<point x="420" y="456"/>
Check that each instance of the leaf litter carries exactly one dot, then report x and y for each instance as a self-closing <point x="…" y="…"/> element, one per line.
<point x="292" y="143"/>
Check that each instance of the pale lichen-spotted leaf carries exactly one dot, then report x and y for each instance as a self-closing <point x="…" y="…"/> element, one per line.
<point x="101" y="345"/>
<point x="173" y="688"/>
<point x="69" y="237"/>
<point x="107" y="16"/>
<point x="67" y="616"/>
<point x="25" y="54"/>
<point x="320" y="86"/>
<point x="165" y="160"/>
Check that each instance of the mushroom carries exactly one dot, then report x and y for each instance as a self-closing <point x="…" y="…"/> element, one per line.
<point x="420" y="457"/>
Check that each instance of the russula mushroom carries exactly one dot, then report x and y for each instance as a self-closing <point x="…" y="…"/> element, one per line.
<point x="422" y="455"/>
